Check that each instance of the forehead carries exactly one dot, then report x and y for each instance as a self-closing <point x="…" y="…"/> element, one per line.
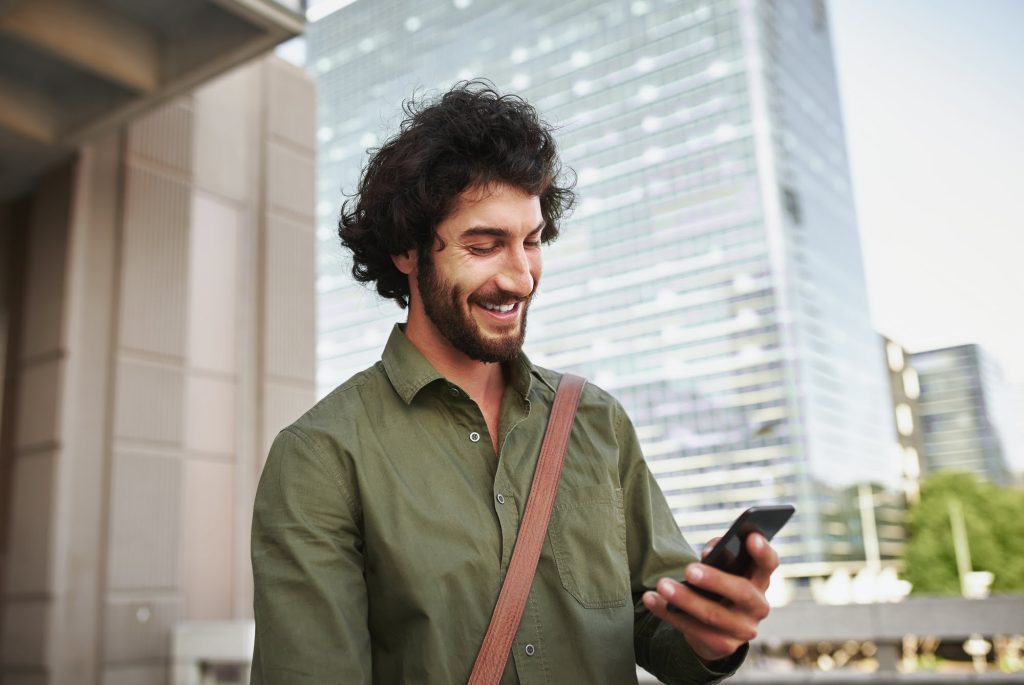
<point x="494" y="206"/>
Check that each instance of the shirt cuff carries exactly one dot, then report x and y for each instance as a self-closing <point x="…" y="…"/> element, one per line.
<point x="671" y="659"/>
<point x="724" y="668"/>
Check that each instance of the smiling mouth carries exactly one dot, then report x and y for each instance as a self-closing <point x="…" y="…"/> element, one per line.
<point x="505" y="314"/>
<point x="500" y="308"/>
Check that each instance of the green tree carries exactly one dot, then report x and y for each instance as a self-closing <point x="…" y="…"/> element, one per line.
<point x="994" y="519"/>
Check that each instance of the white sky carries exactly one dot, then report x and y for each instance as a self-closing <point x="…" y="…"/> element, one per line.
<point x="933" y="95"/>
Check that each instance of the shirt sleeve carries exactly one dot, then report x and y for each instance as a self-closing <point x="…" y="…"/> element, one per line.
<point x="657" y="549"/>
<point x="310" y="596"/>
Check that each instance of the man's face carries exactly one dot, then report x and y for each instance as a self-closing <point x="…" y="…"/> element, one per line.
<point x="477" y="288"/>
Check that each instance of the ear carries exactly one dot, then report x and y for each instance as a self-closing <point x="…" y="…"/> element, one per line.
<point x="405" y="262"/>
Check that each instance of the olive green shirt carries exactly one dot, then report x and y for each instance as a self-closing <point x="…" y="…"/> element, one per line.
<point x="384" y="524"/>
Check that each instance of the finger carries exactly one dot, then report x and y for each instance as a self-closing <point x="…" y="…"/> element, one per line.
<point x="739" y="593"/>
<point x="708" y="547"/>
<point x="738" y="622"/>
<point x="708" y="642"/>
<point x="659" y="606"/>
<point x="766" y="560"/>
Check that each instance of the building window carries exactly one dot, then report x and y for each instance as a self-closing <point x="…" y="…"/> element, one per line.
<point x="911" y="384"/>
<point x="791" y="202"/>
<point x="894" y="354"/>
<point x="818" y="15"/>
<point x="904" y="419"/>
<point x="911" y="463"/>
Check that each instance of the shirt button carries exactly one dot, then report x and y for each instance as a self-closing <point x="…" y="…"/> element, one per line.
<point x="454" y="392"/>
<point x="501" y="499"/>
<point x="474" y="436"/>
<point x="530" y="650"/>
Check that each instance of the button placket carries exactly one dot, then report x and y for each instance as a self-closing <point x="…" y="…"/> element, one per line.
<point x="531" y="662"/>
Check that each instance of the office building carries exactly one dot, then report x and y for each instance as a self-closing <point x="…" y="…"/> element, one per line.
<point x="966" y="412"/>
<point x="905" y="387"/>
<point x="711" y="277"/>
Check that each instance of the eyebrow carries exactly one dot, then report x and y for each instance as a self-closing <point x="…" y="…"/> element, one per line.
<point x="494" y="231"/>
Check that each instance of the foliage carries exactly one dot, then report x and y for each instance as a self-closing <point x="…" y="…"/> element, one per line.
<point x="994" y="519"/>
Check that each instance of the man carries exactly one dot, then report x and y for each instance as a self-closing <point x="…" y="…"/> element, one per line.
<point x="386" y="515"/>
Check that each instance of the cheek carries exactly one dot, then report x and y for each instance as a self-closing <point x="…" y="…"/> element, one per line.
<point x="473" y="283"/>
<point x="536" y="265"/>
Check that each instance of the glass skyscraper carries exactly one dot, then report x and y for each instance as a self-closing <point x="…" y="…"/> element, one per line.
<point x="711" y="276"/>
<point x="966" y="412"/>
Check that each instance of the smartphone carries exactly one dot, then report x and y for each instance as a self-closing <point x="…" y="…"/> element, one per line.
<point x="730" y="553"/>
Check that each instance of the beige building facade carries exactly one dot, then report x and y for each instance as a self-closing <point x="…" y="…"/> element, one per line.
<point x="157" y="329"/>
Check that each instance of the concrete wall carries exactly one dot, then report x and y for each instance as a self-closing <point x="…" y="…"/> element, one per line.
<point x="168" y="333"/>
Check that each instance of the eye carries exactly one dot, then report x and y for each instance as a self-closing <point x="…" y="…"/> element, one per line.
<point x="482" y="249"/>
<point x="532" y="243"/>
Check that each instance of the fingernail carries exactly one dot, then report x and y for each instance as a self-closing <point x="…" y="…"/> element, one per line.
<point x="649" y="599"/>
<point x="666" y="588"/>
<point x="758" y="541"/>
<point x="694" y="572"/>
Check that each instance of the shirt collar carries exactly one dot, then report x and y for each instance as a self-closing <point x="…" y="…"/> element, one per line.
<point x="406" y="367"/>
<point x="409" y="371"/>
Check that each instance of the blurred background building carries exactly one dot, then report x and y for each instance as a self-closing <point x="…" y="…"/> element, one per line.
<point x="905" y="386"/>
<point x="967" y="412"/>
<point x="156" y="318"/>
<point x="711" y="278"/>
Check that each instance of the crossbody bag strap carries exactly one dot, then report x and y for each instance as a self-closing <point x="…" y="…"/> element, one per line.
<point x="490" y="661"/>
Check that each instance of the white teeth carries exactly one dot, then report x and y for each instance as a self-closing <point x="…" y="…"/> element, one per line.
<point x="504" y="308"/>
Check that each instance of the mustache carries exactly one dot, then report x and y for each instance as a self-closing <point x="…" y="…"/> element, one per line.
<point x="499" y="296"/>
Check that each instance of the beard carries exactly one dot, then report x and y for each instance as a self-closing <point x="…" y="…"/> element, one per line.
<point x="443" y="304"/>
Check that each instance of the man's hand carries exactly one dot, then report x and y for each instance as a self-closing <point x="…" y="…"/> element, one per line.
<point x="716" y="630"/>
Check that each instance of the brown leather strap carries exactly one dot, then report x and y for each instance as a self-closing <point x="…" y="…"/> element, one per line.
<point x="490" y="661"/>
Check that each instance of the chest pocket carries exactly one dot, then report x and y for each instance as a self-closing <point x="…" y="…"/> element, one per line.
<point x="588" y="536"/>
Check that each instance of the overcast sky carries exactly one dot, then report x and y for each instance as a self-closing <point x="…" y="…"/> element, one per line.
<point x="933" y="95"/>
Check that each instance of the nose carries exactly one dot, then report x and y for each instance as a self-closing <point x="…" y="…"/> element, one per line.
<point x="516" y="276"/>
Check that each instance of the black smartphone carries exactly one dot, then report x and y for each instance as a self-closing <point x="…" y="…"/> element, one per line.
<point x="730" y="553"/>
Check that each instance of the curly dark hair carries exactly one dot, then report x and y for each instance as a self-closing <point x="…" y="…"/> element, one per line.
<point x="469" y="136"/>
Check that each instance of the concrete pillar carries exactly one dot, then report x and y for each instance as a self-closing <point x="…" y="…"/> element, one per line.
<point x="888" y="655"/>
<point x="168" y="333"/>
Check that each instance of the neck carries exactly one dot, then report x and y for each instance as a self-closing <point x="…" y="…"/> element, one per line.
<point x="483" y="381"/>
